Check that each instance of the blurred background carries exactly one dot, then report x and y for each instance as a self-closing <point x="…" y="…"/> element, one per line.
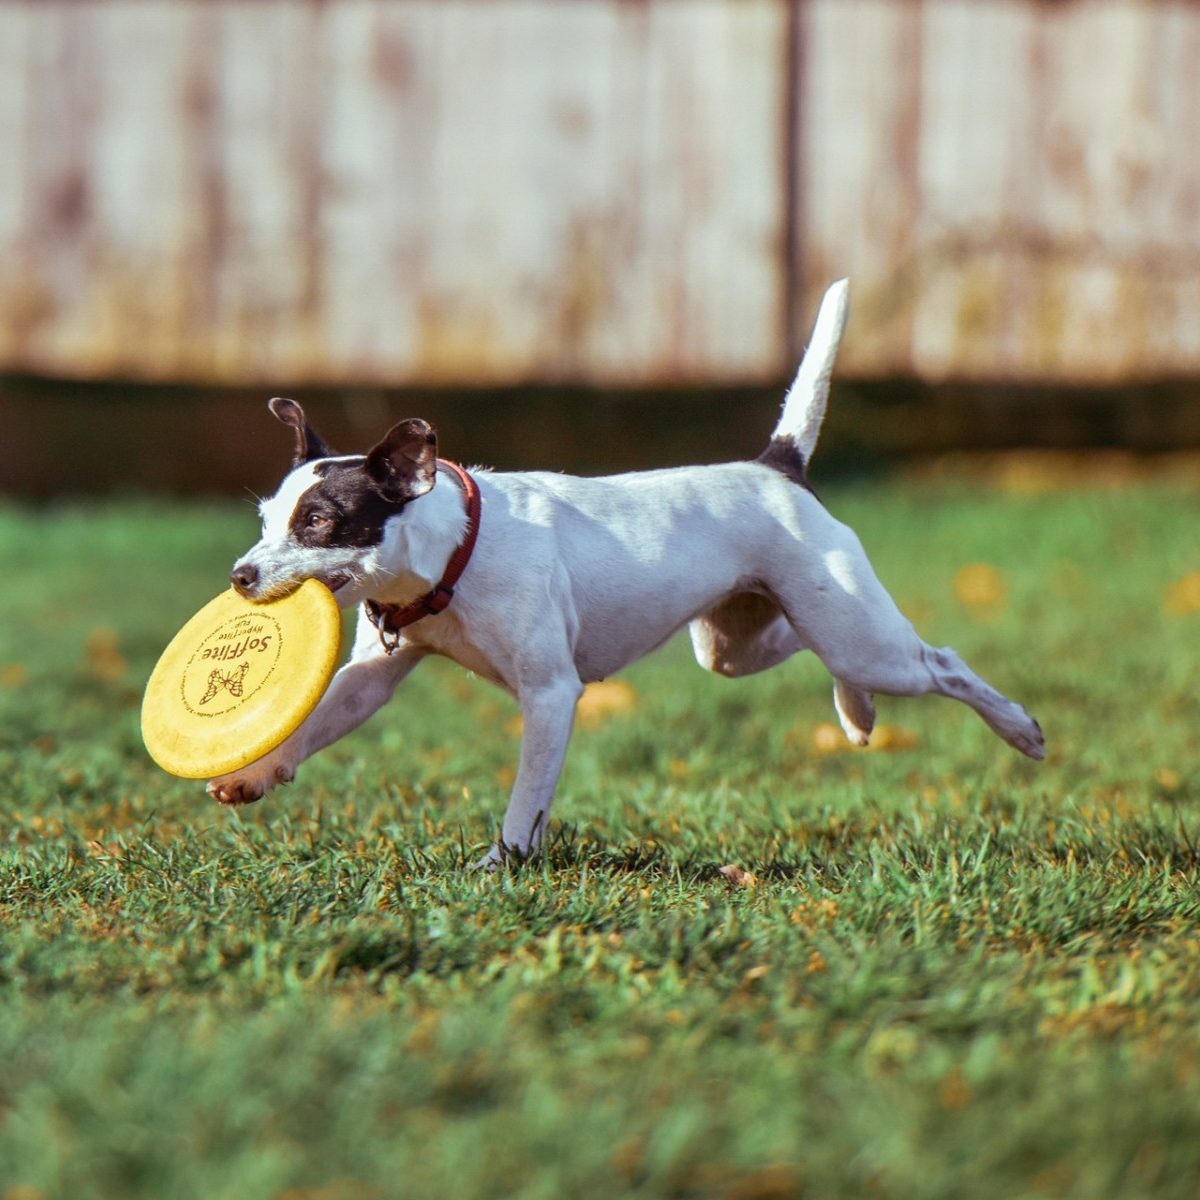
<point x="589" y="234"/>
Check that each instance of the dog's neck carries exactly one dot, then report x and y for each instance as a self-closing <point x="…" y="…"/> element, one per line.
<point x="427" y="542"/>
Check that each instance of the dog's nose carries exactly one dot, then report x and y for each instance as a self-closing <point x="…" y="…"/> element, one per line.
<point x="244" y="578"/>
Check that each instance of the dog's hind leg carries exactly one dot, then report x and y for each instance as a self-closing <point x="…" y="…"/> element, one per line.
<point x="906" y="666"/>
<point x="853" y="625"/>
<point x="952" y="677"/>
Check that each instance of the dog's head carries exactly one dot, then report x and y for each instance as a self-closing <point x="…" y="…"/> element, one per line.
<point x="337" y="518"/>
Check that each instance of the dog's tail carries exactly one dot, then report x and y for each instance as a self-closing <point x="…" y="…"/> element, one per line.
<point x="804" y="406"/>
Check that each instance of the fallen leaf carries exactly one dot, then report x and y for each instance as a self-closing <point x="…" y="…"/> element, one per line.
<point x="886" y="738"/>
<point x="1183" y="596"/>
<point x="629" y="1157"/>
<point x="1168" y="779"/>
<point x="781" y="1181"/>
<point x="980" y="589"/>
<point x="103" y="653"/>
<point x="752" y="976"/>
<point x="737" y="876"/>
<point x="953" y="1092"/>
<point x="609" y="697"/>
<point x="13" y="675"/>
<point x="829" y="739"/>
<point x="23" y="1192"/>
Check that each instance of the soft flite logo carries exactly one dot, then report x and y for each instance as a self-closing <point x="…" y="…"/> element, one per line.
<point x="230" y="664"/>
<point x="261" y="644"/>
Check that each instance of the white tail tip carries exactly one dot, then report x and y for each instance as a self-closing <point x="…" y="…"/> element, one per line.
<point x="804" y="405"/>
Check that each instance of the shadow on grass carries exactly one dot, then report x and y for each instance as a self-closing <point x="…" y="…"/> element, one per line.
<point x="1166" y="843"/>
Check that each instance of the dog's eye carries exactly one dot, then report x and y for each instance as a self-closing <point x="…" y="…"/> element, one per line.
<point x="317" y="521"/>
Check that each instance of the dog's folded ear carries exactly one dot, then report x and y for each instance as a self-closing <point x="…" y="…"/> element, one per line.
<point x="404" y="465"/>
<point x="309" y="443"/>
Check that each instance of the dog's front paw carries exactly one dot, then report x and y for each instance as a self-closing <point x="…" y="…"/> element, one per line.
<point x="490" y="863"/>
<point x="501" y="856"/>
<point x="250" y="783"/>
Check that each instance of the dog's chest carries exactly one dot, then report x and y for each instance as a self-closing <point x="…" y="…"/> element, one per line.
<point x="449" y="637"/>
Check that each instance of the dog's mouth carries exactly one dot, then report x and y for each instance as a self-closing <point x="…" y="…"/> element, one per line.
<point x="336" y="582"/>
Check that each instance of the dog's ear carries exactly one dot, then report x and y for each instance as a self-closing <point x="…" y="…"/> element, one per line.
<point x="404" y="465"/>
<point x="309" y="443"/>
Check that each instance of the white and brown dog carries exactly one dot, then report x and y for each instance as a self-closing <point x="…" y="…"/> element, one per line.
<point x="566" y="580"/>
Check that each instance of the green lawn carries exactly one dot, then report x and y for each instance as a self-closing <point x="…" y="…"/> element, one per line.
<point x="938" y="970"/>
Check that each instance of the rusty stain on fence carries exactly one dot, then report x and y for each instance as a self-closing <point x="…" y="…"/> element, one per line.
<point x="444" y="192"/>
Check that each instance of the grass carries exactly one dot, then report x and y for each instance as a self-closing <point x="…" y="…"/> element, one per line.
<point x="933" y="970"/>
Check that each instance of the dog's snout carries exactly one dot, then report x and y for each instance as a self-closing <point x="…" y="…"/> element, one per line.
<point x="245" y="578"/>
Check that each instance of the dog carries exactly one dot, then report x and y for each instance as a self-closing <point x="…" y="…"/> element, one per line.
<point x="543" y="583"/>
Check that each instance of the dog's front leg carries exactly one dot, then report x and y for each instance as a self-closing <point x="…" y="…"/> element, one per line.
<point x="359" y="689"/>
<point x="548" y="712"/>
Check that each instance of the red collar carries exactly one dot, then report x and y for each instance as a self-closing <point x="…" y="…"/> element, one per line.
<point x="389" y="619"/>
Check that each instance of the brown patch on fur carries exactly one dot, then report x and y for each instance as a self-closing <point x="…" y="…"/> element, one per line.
<point x="345" y="509"/>
<point x="725" y="638"/>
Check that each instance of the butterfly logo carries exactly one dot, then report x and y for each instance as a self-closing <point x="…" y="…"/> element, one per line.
<point x="233" y="683"/>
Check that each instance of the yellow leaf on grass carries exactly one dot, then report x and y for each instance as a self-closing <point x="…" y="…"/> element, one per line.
<point x="893" y="737"/>
<point x="1183" y="596"/>
<point x="953" y="1092"/>
<point x="827" y="738"/>
<point x="608" y="698"/>
<point x="679" y="768"/>
<point x="13" y="675"/>
<point x="778" y="1181"/>
<point x="23" y="1192"/>
<point x="1168" y="779"/>
<point x="980" y="589"/>
<point x="337" y="1189"/>
<point x="104" y="655"/>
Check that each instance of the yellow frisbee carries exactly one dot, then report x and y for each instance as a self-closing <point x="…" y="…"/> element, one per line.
<point x="238" y="678"/>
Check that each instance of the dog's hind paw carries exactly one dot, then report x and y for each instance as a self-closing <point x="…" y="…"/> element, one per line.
<point x="1020" y="731"/>
<point x="1029" y="740"/>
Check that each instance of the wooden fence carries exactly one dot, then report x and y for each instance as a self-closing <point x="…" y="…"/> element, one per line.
<point x="597" y="191"/>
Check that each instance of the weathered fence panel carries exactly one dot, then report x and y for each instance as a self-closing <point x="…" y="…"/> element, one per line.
<point x="436" y="191"/>
<point x="1013" y="187"/>
<point x="424" y="191"/>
